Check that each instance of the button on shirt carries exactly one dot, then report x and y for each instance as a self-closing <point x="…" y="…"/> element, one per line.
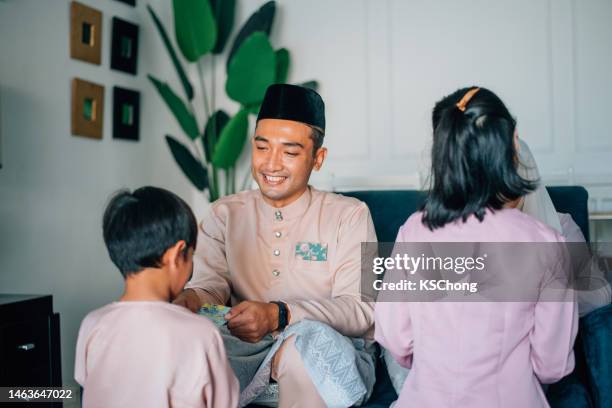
<point x="307" y="254"/>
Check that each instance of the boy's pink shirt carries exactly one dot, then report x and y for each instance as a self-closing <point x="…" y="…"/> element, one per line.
<point x="478" y="355"/>
<point x="152" y="354"/>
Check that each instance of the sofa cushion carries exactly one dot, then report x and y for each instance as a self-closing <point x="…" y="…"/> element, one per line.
<point x="569" y="393"/>
<point x="391" y="208"/>
<point x="383" y="394"/>
<point x="572" y="200"/>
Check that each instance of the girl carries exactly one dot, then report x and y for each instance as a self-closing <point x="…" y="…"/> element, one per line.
<point x="476" y="354"/>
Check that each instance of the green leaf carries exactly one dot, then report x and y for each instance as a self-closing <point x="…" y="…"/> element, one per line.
<point x="170" y="48"/>
<point x="184" y="117"/>
<point x="251" y="71"/>
<point x="231" y="141"/>
<point x="191" y="167"/>
<point x="314" y="85"/>
<point x="195" y="27"/>
<point x="213" y="129"/>
<point x="261" y="20"/>
<point x="224" y="11"/>
<point x="282" y="65"/>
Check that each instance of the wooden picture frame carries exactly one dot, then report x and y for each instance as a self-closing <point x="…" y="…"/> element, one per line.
<point x="129" y="2"/>
<point x="126" y="114"/>
<point x="124" y="47"/>
<point x="85" y="33"/>
<point x="87" y="109"/>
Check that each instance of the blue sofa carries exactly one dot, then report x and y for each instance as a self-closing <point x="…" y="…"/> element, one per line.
<point x="590" y="385"/>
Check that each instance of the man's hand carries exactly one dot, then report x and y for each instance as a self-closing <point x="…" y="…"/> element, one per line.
<point x="189" y="299"/>
<point x="251" y="321"/>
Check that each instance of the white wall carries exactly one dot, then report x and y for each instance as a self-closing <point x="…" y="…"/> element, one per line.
<point x="54" y="186"/>
<point x="382" y="64"/>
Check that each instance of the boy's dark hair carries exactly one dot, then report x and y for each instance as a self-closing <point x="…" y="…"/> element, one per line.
<point x="473" y="159"/>
<point x="139" y="227"/>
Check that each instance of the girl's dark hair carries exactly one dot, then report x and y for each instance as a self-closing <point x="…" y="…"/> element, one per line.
<point x="473" y="159"/>
<point x="139" y="227"/>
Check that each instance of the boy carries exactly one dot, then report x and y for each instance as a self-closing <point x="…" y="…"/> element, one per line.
<point x="143" y="351"/>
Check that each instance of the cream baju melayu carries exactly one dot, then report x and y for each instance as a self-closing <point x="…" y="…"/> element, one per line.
<point x="306" y="254"/>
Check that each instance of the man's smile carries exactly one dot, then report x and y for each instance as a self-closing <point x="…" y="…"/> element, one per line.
<point x="273" y="180"/>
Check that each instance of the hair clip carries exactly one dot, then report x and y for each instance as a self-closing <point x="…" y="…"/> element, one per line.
<point x="461" y="105"/>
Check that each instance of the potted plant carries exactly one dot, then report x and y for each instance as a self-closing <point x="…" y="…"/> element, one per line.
<point x="202" y="29"/>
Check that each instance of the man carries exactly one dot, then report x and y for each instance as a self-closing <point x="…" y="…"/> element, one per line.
<point x="285" y="253"/>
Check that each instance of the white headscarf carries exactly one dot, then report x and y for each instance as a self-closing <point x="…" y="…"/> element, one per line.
<point x="537" y="203"/>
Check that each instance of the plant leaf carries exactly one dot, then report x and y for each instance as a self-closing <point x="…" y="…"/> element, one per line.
<point x="252" y="70"/>
<point x="261" y="20"/>
<point x="170" y="48"/>
<point x="314" y="85"/>
<point x="195" y="27"/>
<point x="191" y="167"/>
<point x="224" y="11"/>
<point x="213" y="129"/>
<point x="184" y="117"/>
<point x="282" y="65"/>
<point x="231" y="141"/>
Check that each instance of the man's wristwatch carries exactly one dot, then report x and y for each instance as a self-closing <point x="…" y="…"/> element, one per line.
<point x="282" y="315"/>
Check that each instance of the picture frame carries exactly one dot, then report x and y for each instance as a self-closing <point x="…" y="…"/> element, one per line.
<point x="126" y="114"/>
<point x="124" y="46"/>
<point x="85" y="33"/>
<point x="87" y="109"/>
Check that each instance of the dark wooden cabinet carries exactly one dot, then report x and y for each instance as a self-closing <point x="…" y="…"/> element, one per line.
<point x="29" y="342"/>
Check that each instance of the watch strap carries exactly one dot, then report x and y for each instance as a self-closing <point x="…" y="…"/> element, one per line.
<point x="282" y="314"/>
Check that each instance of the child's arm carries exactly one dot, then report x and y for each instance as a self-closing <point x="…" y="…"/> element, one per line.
<point x="221" y="388"/>
<point x="555" y="327"/>
<point x="393" y="325"/>
<point x="79" y="360"/>
<point x="393" y="330"/>
<point x="211" y="277"/>
<point x="552" y="340"/>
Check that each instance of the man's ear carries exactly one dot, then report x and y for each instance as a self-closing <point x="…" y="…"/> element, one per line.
<point x="320" y="156"/>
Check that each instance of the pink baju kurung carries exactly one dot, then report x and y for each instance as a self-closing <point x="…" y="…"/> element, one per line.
<point x="479" y="354"/>
<point x="152" y="354"/>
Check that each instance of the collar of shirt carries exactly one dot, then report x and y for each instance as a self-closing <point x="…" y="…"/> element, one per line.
<point x="294" y="210"/>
